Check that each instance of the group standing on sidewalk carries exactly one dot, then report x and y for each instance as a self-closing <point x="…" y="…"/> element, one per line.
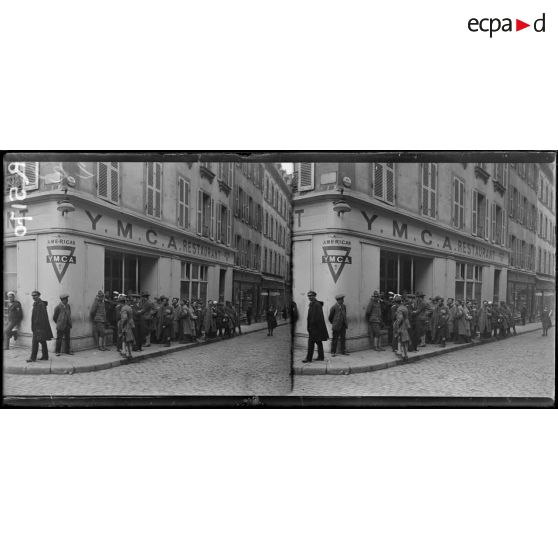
<point x="411" y="322"/>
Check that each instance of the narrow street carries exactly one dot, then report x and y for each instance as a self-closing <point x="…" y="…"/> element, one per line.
<point x="252" y="364"/>
<point x="521" y="366"/>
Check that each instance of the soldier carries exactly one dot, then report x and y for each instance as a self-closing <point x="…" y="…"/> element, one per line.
<point x="338" y="320"/>
<point x="146" y="311"/>
<point x="126" y="326"/>
<point x="495" y="317"/>
<point x="316" y="327"/>
<point x="139" y="333"/>
<point x="401" y="329"/>
<point x="442" y="325"/>
<point x="546" y="319"/>
<point x="374" y="318"/>
<point x="40" y="327"/>
<point x="485" y="320"/>
<point x="13" y="319"/>
<point x="420" y="313"/>
<point x="98" y="316"/>
<point x="63" y="319"/>
<point x="452" y="330"/>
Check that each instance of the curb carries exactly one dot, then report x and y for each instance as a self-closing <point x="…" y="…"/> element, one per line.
<point x="362" y="368"/>
<point x="48" y="368"/>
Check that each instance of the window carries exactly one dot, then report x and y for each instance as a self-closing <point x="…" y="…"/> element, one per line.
<point x="153" y="182"/>
<point x="501" y="174"/>
<point x="305" y="176"/>
<point x="468" y="281"/>
<point x="458" y="195"/>
<point x="383" y="181"/>
<point x="16" y="180"/>
<point x="429" y="179"/>
<point x="193" y="281"/>
<point x="206" y="214"/>
<point x="480" y="215"/>
<point x="122" y="272"/>
<point x="183" y="205"/>
<point x="498" y="224"/>
<point x="108" y="183"/>
<point x="223" y="224"/>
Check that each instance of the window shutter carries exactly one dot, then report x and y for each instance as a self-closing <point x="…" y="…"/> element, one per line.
<point x="212" y="223"/>
<point x="102" y="180"/>
<point x="390" y="190"/>
<point x="474" y="213"/>
<point x="486" y="218"/>
<point x="219" y="223"/>
<point x="229" y="226"/>
<point x="378" y="181"/>
<point x="31" y="171"/>
<point x="305" y="176"/>
<point x="493" y="222"/>
<point x="158" y="181"/>
<point x="114" y="186"/>
<point x="200" y="212"/>
<point x="433" y="186"/>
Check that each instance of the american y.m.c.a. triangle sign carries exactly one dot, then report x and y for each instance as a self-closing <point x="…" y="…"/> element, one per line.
<point x="336" y="257"/>
<point x="60" y="257"/>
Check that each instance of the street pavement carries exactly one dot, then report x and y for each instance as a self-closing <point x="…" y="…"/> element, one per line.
<point x="252" y="364"/>
<point x="520" y="366"/>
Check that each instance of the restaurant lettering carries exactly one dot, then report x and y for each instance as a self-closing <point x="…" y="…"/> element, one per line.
<point x="401" y="231"/>
<point x="125" y="230"/>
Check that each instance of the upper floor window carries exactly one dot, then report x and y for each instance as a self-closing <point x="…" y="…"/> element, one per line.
<point x="383" y="181"/>
<point x="429" y="182"/>
<point x="154" y="180"/>
<point x="22" y="176"/>
<point x="206" y="214"/>
<point x="498" y="224"/>
<point x="305" y="176"/>
<point x="108" y="183"/>
<point x="480" y="215"/>
<point x="458" y="203"/>
<point x="183" y="205"/>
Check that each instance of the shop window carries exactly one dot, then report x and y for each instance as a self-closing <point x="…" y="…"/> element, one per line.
<point x="458" y="203"/>
<point x="429" y="181"/>
<point x="183" y="206"/>
<point x="122" y="272"/>
<point x="206" y="214"/>
<point x="383" y="181"/>
<point x="480" y="215"/>
<point x="468" y="281"/>
<point x="154" y="180"/>
<point x="108" y="181"/>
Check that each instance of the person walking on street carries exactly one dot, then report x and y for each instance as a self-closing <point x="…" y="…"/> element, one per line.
<point x="374" y="318"/>
<point x="338" y="320"/>
<point x="63" y="319"/>
<point x="12" y="321"/>
<point x="316" y="327"/>
<point x="98" y="315"/>
<point x="40" y="327"/>
<point x="271" y="318"/>
<point x="546" y="319"/>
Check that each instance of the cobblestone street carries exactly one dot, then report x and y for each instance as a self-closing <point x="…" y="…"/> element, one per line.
<point x="251" y="364"/>
<point x="521" y="366"/>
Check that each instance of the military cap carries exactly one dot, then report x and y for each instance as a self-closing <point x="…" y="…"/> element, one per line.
<point x="311" y="293"/>
<point x="339" y="296"/>
<point x="36" y="293"/>
<point x="99" y="292"/>
<point x="121" y="297"/>
<point x="64" y="295"/>
<point x="11" y="293"/>
<point x="163" y="297"/>
<point x="375" y="293"/>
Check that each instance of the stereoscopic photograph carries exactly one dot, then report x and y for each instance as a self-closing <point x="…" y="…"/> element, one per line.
<point x="146" y="278"/>
<point x="425" y="278"/>
<point x="379" y="275"/>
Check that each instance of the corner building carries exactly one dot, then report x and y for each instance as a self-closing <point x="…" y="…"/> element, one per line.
<point x="439" y="228"/>
<point x="166" y="228"/>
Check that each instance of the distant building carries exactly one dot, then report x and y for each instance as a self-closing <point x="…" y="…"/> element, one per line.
<point x="191" y="230"/>
<point x="439" y="228"/>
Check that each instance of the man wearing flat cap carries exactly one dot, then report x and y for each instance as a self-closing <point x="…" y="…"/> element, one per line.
<point x="338" y="320"/>
<point x="62" y="317"/>
<point x="316" y="326"/>
<point x="40" y="326"/>
<point x="12" y="320"/>
<point x="98" y="316"/>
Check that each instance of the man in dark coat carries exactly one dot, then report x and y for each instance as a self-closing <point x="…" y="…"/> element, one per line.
<point x="317" y="330"/>
<point x="338" y="320"/>
<point x="63" y="319"/>
<point x="374" y="318"/>
<point x="13" y="319"/>
<point x="40" y="326"/>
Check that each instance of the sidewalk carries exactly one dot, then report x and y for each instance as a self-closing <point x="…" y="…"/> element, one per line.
<point x="93" y="359"/>
<point x="369" y="360"/>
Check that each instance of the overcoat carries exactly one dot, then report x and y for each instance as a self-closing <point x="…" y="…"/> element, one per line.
<point x="14" y="315"/>
<point x="401" y="325"/>
<point x="40" y="326"/>
<point x="315" y="323"/>
<point x="485" y="319"/>
<point x="126" y="326"/>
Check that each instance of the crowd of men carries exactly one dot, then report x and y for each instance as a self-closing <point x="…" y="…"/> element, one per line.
<point x="412" y="321"/>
